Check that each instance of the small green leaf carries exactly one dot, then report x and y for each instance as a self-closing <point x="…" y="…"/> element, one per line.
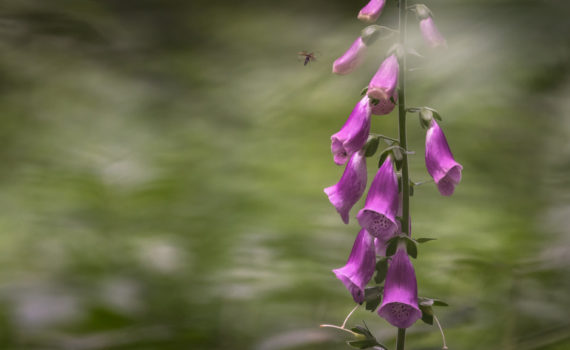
<point x="362" y="330"/>
<point x="381" y="270"/>
<point x="363" y="344"/>
<point x="372" y="297"/>
<point x="424" y="240"/>
<point x="438" y="302"/>
<point x="392" y="246"/>
<point x="371" y="146"/>
<point x="411" y="247"/>
<point x="427" y="314"/>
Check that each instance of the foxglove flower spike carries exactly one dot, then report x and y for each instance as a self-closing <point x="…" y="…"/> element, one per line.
<point x="351" y="186"/>
<point x="440" y="164"/>
<point x="360" y="266"/>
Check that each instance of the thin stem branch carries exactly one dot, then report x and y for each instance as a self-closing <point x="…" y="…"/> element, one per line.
<point x="349" y="314"/>
<point x="441" y="331"/>
<point x="384" y="137"/>
<point x="338" y="327"/>
<point x="401" y="339"/>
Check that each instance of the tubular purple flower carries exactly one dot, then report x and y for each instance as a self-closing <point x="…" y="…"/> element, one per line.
<point x="400" y="303"/>
<point x="350" y="187"/>
<point x="440" y="164"/>
<point x="353" y="134"/>
<point x="371" y="11"/>
<point x="351" y="59"/>
<point x="385" y="106"/>
<point x="383" y="83"/>
<point x="430" y="33"/>
<point x="360" y="266"/>
<point x="378" y="216"/>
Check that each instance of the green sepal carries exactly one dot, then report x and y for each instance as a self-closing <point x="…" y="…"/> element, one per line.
<point x="371" y="146"/>
<point x="364" y="91"/>
<point x="425" y="239"/>
<point x="373" y="297"/>
<point x="381" y="270"/>
<point x="364" y="338"/>
<point x="411" y="247"/>
<point x="392" y="100"/>
<point x="364" y="344"/>
<point x="373" y="32"/>
<point x="392" y="245"/>
<point x="427" y="314"/>
<point x="423" y="301"/>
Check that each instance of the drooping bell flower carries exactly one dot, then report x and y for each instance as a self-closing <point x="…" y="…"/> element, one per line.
<point x="440" y="164"/>
<point x="351" y="59"/>
<point x="400" y="302"/>
<point x="385" y="106"/>
<point x="360" y="266"/>
<point x="344" y="195"/>
<point x="371" y="11"/>
<point x="384" y="82"/>
<point x="353" y="134"/>
<point x="430" y="33"/>
<point x="378" y="216"/>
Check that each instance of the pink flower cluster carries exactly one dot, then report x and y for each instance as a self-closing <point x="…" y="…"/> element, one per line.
<point x="379" y="218"/>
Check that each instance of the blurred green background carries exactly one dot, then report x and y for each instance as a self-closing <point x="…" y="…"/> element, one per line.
<point x="163" y="165"/>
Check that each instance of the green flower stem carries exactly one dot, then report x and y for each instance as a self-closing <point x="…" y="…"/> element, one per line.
<point x="402" y="119"/>
<point x="402" y="24"/>
<point x="401" y="339"/>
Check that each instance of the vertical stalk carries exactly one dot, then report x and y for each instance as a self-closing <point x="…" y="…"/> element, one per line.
<point x="402" y="117"/>
<point x="401" y="339"/>
<point x="402" y="24"/>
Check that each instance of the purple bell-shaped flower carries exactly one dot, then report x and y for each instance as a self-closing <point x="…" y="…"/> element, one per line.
<point x="371" y="11"/>
<point x="360" y="266"/>
<point x="440" y="164"/>
<point x="350" y="187"/>
<point x="384" y="82"/>
<point x="378" y="216"/>
<point x="400" y="302"/>
<point x="353" y="134"/>
<point x="351" y="59"/>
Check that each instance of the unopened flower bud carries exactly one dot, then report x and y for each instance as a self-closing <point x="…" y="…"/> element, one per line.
<point x="430" y="33"/>
<point x="351" y="59"/>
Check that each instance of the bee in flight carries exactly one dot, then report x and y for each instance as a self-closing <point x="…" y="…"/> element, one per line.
<point x="308" y="56"/>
